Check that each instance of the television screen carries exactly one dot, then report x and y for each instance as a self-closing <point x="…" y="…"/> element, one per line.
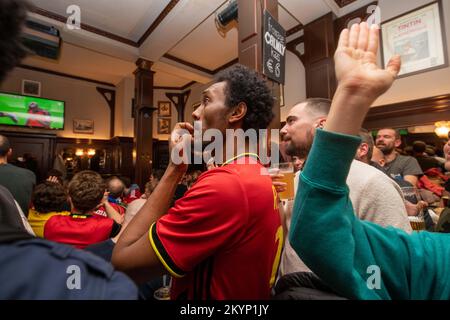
<point x="33" y="112"/>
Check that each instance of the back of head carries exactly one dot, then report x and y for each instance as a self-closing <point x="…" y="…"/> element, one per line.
<point x="245" y="85"/>
<point x="12" y="18"/>
<point x="367" y="138"/>
<point x="4" y="145"/>
<point x="49" y="197"/>
<point x="419" y="147"/>
<point x="86" y="190"/>
<point x="115" y="187"/>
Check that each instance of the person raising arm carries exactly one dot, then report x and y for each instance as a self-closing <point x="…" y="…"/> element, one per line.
<point x="367" y="261"/>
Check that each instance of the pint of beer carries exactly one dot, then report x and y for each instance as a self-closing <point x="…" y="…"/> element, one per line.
<point x="287" y="170"/>
<point x="417" y="223"/>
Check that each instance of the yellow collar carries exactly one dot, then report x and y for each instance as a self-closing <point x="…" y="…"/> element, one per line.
<point x="240" y="156"/>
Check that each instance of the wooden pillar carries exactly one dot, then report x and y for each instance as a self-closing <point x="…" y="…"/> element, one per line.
<point x="250" y="42"/>
<point x="318" y="60"/>
<point x="143" y="121"/>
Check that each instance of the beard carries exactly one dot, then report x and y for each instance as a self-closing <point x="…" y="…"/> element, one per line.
<point x="386" y="149"/>
<point x="302" y="149"/>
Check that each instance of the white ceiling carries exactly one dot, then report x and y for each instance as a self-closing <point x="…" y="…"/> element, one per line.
<point x="188" y="32"/>
<point x="128" y="19"/>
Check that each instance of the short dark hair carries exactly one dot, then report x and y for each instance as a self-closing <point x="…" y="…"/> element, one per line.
<point x="317" y="106"/>
<point x="419" y="146"/>
<point x="86" y="190"/>
<point x="367" y="138"/>
<point x="396" y="131"/>
<point x="49" y="197"/>
<point x="4" y="144"/>
<point x="12" y="17"/>
<point x="245" y="85"/>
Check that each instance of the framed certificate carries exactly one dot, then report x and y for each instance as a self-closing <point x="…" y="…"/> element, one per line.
<point x="418" y="37"/>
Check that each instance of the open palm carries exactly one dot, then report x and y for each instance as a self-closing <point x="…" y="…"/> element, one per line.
<point x="356" y="62"/>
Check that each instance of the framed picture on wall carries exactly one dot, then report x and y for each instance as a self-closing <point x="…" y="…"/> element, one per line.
<point x="164" y="109"/>
<point x="83" y="126"/>
<point x="31" y="88"/>
<point x="418" y="37"/>
<point x="163" y="126"/>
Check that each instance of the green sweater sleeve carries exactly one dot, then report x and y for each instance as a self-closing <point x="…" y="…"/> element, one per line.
<point x="349" y="254"/>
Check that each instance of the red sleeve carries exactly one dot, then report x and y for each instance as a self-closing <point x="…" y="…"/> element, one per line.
<point x="208" y="218"/>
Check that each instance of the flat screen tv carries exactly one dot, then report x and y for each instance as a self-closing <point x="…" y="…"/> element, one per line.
<point x="25" y="111"/>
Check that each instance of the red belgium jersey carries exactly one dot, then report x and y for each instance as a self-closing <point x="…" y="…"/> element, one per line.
<point x="223" y="239"/>
<point x="79" y="230"/>
<point x="101" y="211"/>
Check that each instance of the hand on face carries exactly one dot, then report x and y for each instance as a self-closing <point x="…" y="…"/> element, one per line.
<point x="180" y="139"/>
<point x="356" y="62"/>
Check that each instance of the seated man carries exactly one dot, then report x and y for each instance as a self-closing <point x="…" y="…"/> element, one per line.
<point x="83" y="227"/>
<point x="116" y="188"/>
<point x="359" y="259"/>
<point x="113" y="204"/>
<point x="397" y="166"/>
<point x="49" y="199"/>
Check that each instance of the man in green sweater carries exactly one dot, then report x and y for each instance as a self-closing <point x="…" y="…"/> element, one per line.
<point x="358" y="259"/>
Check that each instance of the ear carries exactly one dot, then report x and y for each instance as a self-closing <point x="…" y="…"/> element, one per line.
<point x="238" y="113"/>
<point x="398" y="143"/>
<point x="363" y="149"/>
<point x="320" y="123"/>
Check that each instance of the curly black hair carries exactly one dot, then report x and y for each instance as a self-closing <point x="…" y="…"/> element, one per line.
<point x="49" y="197"/>
<point x="12" y="18"/>
<point x="245" y="85"/>
<point x="86" y="190"/>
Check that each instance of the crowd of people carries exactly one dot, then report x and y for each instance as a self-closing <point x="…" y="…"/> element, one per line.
<point x="224" y="233"/>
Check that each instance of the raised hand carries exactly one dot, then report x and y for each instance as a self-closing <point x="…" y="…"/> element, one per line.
<point x="356" y="62"/>
<point x="360" y="80"/>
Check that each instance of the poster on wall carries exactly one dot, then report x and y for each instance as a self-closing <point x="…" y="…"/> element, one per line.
<point x="418" y="37"/>
<point x="274" y="49"/>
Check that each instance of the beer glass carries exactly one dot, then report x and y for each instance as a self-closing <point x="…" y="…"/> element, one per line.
<point x="287" y="170"/>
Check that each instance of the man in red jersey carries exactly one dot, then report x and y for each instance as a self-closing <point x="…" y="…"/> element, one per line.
<point x="37" y="117"/>
<point x="84" y="226"/>
<point x="223" y="239"/>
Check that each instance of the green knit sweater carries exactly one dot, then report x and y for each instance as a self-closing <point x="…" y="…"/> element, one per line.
<point x="346" y="252"/>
